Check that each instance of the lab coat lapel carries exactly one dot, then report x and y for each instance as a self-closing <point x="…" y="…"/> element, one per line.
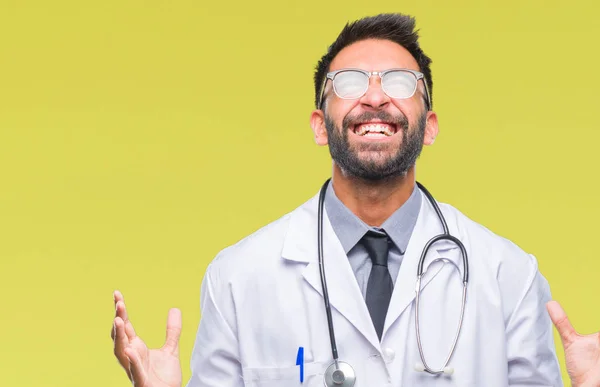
<point x="427" y="226"/>
<point x="344" y="294"/>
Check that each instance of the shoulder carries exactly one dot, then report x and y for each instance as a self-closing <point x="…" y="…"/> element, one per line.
<point x="259" y="249"/>
<point x="494" y="249"/>
<point x="263" y="242"/>
<point x="498" y="262"/>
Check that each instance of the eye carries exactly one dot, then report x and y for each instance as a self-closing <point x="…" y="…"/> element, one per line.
<point x="350" y="84"/>
<point x="399" y="84"/>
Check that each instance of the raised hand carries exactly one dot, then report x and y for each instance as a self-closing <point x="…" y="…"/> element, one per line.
<point x="147" y="367"/>
<point x="582" y="352"/>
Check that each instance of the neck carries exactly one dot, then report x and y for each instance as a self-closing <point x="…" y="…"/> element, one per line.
<point x="372" y="201"/>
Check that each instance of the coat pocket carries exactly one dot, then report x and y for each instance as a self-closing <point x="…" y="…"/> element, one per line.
<point x="288" y="376"/>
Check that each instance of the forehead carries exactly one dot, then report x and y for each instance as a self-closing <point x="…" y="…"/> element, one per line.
<point x="374" y="55"/>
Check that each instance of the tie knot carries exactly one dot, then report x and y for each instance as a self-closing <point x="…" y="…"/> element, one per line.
<point x="377" y="245"/>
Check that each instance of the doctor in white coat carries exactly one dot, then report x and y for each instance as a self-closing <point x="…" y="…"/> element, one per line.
<point x="264" y="323"/>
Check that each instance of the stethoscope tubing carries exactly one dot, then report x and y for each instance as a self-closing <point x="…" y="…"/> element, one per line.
<point x="334" y="351"/>
<point x="444" y="236"/>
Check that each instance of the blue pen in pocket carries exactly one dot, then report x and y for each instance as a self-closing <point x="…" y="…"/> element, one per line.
<point x="300" y="362"/>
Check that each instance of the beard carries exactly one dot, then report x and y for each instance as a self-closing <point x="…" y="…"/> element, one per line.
<point x="381" y="167"/>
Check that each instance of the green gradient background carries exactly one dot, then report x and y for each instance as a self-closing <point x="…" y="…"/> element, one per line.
<point x="138" y="138"/>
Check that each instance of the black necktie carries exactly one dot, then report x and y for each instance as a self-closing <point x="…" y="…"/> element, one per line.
<point x="380" y="285"/>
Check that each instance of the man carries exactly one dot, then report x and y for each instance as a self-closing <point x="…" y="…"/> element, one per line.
<point x="263" y="316"/>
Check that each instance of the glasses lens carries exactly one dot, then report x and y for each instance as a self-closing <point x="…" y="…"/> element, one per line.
<point x="399" y="84"/>
<point x="350" y="84"/>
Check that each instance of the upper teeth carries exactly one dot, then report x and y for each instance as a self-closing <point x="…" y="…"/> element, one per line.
<point x="364" y="129"/>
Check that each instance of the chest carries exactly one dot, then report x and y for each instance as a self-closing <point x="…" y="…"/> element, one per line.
<point x="277" y="315"/>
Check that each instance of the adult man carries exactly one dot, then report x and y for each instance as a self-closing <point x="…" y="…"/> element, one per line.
<point x="262" y="299"/>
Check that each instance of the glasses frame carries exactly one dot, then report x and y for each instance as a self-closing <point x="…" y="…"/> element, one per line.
<point x="417" y="74"/>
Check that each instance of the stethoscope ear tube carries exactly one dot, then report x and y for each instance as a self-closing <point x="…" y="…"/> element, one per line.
<point x="445" y="236"/>
<point x="424" y="367"/>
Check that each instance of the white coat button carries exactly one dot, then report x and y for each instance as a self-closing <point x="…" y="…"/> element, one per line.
<point x="389" y="355"/>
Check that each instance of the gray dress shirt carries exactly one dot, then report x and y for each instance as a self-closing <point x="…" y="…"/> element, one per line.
<point x="350" y="229"/>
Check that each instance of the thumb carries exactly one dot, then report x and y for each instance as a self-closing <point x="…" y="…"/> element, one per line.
<point x="173" y="331"/>
<point x="561" y="322"/>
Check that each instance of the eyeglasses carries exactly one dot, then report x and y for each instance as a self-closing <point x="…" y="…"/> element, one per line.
<point x="354" y="83"/>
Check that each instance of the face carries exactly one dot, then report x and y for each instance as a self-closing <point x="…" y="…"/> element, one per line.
<point x="374" y="137"/>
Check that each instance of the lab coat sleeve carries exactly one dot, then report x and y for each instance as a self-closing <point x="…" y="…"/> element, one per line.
<point x="215" y="360"/>
<point x="531" y="349"/>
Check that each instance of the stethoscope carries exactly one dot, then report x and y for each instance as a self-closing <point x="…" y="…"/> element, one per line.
<point x="341" y="374"/>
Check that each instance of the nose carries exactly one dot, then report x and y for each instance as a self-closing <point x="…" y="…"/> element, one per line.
<point x="375" y="97"/>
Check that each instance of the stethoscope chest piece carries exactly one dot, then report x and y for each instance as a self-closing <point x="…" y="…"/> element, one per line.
<point x="339" y="375"/>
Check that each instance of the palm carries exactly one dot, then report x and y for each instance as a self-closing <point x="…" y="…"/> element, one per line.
<point x="147" y="367"/>
<point x="162" y="368"/>
<point x="582" y="357"/>
<point x="582" y="353"/>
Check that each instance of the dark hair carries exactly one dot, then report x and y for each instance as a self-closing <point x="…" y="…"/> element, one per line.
<point x="396" y="27"/>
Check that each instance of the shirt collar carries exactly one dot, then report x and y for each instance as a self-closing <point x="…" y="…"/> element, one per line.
<point x="350" y="229"/>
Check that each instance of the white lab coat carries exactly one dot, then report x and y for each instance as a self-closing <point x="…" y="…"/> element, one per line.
<point x="261" y="299"/>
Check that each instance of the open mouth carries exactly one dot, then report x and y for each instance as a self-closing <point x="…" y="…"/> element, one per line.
<point x="375" y="129"/>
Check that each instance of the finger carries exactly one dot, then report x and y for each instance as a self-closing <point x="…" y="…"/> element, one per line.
<point x="117" y="296"/>
<point x="122" y="313"/>
<point x="136" y="368"/>
<point x="121" y="340"/>
<point x="173" y="331"/>
<point x="561" y="322"/>
<point x="120" y="343"/>
<point x="121" y="310"/>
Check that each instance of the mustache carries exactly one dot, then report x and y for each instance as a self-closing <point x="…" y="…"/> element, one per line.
<point x="399" y="120"/>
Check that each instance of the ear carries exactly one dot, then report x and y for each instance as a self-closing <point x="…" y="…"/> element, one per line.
<point x="431" y="128"/>
<point x="317" y="123"/>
